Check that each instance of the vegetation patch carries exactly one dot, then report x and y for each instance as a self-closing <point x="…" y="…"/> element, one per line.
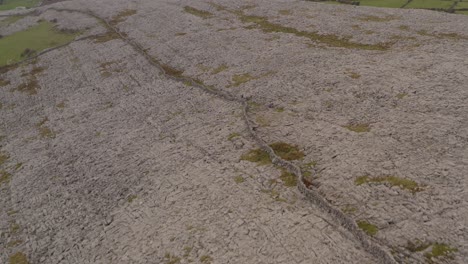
<point x="233" y="135"/>
<point x="354" y="75"/>
<point x="18" y="258"/>
<point x="131" y="198"/>
<point x="370" y="18"/>
<point x="12" y="4"/>
<point x="401" y="95"/>
<point x="238" y="79"/>
<point x="285" y="12"/>
<point x="358" y="128"/>
<point x="440" y="251"/>
<point x="171" y="259"/>
<point x="4" y="177"/>
<point x="266" y="26"/>
<point x="3" y="158"/>
<point x="172" y="71"/>
<point x="103" y="38"/>
<point x="289" y="179"/>
<point x="402" y="183"/>
<point x="122" y="16"/>
<point x="4" y="82"/>
<point x="26" y="43"/>
<point x="367" y="227"/>
<point x="417" y="246"/>
<point x="219" y="69"/>
<point x="14" y="243"/>
<point x="348" y="209"/>
<point x="44" y="131"/>
<point x="239" y="179"/>
<point x="206" y="259"/>
<point x="453" y="36"/>
<point x="258" y="156"/>
<point x="287" y="151"/>
<point x="9" y="20"/>
<point x="196" y="12"/>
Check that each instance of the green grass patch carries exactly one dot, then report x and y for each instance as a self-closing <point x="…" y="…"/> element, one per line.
<point x="196" y="12"/>
<point x="9" y="20"/>
<point x="206" y="259"/>
<point x="402" y="183"/>
<point x="289" y="179"/>
<point x="358" y="128"/>
<point x="12" y="4"/>
<point x="440" y="251"/>
<point x="282" y="149"/>
<point x="266" y="26"/>
<point x="429" y="4"/>
<point x="23" y="44"/>
<point x="401" y="95"/>
<point x="44" y="131"/>
<point x="18" y="258"/>
<point x="171" y="259"/>
<point x="131" y="198"/>
<point x="287" y="151"/>
<point x="385" y="3"/>
<point x="367" y="227"/>
<point x="239" y="79"/>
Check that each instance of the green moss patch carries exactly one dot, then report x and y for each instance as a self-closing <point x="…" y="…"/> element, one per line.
<point x="44" y="131"/>
<point x="258" y="156"/>
<point x="206" y="259"/>
<point x="266" y="26"/>
<point x="402" y="183"/>
<point x="171" y="259"/>
<point x="3" y="158"/>
<point x="282" y="149"/>
<point x="18" y="258"/>
<point x="26" y="43"/>
<point x="289" y="179"/>
<point x="4" y="177"/>
<point x="4" y="82"/>
<point x="358" y="128"/>
<point x="287" y="151"/>
<point x="131" y="198"/>
<point x="12" y="4"/>
<point x="367" y="227"/>
<point x="238" y="79"/>
<point x="417" y="246"/>
<point x="441" y="251"/>
<point x="196" y="12"/>
<point x="239" y="179"/>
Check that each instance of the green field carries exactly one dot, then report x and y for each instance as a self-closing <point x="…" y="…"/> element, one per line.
<point x="12" y="4"/>
<point x="443" y="5"/>
<point x="383" y="3"/>
<point x="36" y="39"/>
<point x="429" y="4"/>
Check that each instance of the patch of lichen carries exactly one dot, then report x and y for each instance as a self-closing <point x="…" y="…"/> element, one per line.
<point x="266" y="26"/>
<point x="18" y="258"/>
<point x="122" y="16"/>
<point x="199" y="13"/>
<point x="367" y="227"/>
<point x="402" y="183"/>
<point x="440" y="251"/>
<point x="289" y="179"/>
<point x="358" y="128"/>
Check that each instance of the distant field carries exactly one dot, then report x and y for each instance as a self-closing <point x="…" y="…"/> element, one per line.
<point x="12" y="4"/>
<point x="414" y="4"/>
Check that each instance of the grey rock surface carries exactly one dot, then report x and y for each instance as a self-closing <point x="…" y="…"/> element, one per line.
<point x="111" y="161"/>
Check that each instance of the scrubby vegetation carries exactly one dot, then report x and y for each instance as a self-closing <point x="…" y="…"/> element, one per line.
<point x="402" y="183"/>
<point x="367" y="227"/>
